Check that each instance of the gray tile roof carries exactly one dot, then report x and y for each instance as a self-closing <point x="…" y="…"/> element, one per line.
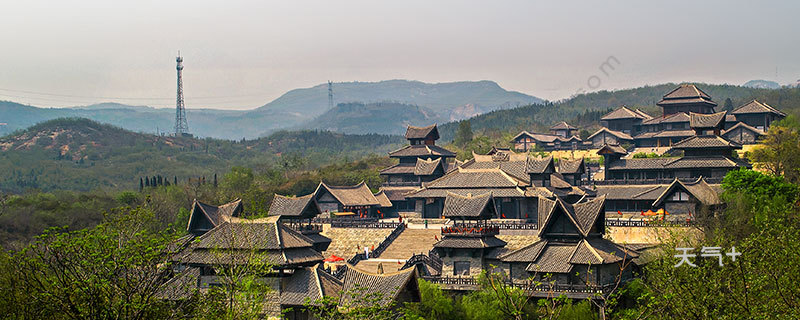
<point x="515" y="166"/>
<point x="397" y="193"/>
<point x="413" y="132"/>
<point x="625" y="113"/>
<point x="246" y="241"/>
<point x="357" y="195"/>
<point x="705" y="142"/>
<point x="477" y="207"/>
<point x="383" y="199"/>
<point x="557" y="181"/>
<point x="676" y="163"/>
<point x="309" y="284"/>
<point x="426" y="167"/>
<point x="618" y="134"/>
<point x="525" y="254"/>
<point x="699" y="189"/>
<point x="612" y="149"/>
<point x="563" y="125"/>
<point x="583" y="215"/>
<point x="672" y="118"/>
<point x="630" y="192"/>
<point x="294" y="207"/>
<point x="539" y="165"/>
<point x="686" y="93"/>
<point x="217" y="214"/>
<point x="181" y="286"/>
<point x="400" y="168"/>
<point x="704" y="121"/>
<point x="554" y="258"/>
<point x="469" y="242"/>
<point x="566" y="166"/>
<point x="516" y="192"/>
<point x="743" y="126"/>
<point x="476" y="178"/>
<point x="600" y="251"/>
<point x="421" y="151"/>
<point x="757" y="107"/>
<point x="385" y="286"/>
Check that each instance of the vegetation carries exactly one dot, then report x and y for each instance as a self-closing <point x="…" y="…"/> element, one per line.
<point x="83" y="155"/>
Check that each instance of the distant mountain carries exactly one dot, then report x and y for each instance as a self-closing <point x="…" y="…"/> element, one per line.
<point x="762" y="84"/>
<point x="453" y="100"/>
<point x="449" y="101"/>
<point x="81" y="154"/>
<point x="379" y="117"/>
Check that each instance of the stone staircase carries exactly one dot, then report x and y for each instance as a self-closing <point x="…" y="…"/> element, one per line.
<point x="412" y="241"/>
<point x="409" y="242"/>
<point x="346" y="242"/>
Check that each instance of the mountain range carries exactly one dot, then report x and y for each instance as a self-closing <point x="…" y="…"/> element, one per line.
<point x="296" y="109"/>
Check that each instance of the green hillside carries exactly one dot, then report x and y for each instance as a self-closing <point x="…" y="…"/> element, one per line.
<point x="577" y="110"/>
<point x="81" y="154"/>
<point x="380" y="117"/>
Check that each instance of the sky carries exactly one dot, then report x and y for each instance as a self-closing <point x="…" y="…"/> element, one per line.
<point x="243" y="54"/>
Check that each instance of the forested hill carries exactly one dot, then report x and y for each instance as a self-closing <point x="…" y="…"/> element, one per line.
<point x="81" y="154"/>
<point x="586" y="109"/>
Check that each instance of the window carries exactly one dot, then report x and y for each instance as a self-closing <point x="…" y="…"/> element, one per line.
<point x="461" y="268"/>
<point x="680" y="196"/>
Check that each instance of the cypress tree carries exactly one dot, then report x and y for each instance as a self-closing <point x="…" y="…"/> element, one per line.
<point x="160" y="180"/>
<point x="146" y="182"/>
<point x="141" y="184"/>
<point x="215" y="180"/>
<point x="175" y="182"/>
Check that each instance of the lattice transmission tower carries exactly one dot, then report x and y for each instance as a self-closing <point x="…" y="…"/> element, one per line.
<point x="181" y="125"/>
<point x="330" y="95"/>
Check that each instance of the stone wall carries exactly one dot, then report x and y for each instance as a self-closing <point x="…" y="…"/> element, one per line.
<point x="459" y="255"/>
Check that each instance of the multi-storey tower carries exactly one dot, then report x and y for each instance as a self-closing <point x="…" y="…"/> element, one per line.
<point x="181" y="125"/>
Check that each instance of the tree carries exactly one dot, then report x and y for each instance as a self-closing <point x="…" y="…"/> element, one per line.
<point x="463" y="134"/>
<point x="728" y="105"/>
<point x="141" y="184"/>
<point x="779" y="150"/>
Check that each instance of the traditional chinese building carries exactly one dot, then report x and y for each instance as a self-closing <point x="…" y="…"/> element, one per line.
<point x="469" y="245"/>
<point x="571" y="250"/>
<point x="624" y="120"/>
<point x="681" y="200"/>
<point x="526" y="141"/>
<point x="606" y="136"/>
<point x="563" y="129"/>
<point x="204" y="217"/>
<point x="758" y="115"/>
<point x="355" y="200"/>
<point x="297" y="213"/>
<point x="686" y="98"/>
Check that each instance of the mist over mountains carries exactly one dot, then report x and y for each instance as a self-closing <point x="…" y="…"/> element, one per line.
<point x="296" y="109"/>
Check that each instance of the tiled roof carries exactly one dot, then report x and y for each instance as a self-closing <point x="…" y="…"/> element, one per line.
<point x="566" y="166"/>
<point x="625" y="113"/>
<point x="701" y="120"/>
<point x="557" y="181"/>
<point x="600" y="251"/>
<point x="639" y="163"/>
<point x="358" y="284"/>
<point x="583" y="215"/>
<point x="421" y="150"/>
<point x="699" y="189"/>
<point x="426" y="167"/>
<point x="612" y="149"/>
<point x="516" y="192"/>
<point x="469" y="242"/>
<point x="383" y="199"/>
<point x="665" y="134"/>
<point x="705" y="142"/>
<point x="252" y="235"/>
<point x="686" y="93"/>
<point x="676" y="163"/>
<point x="757" y="107"/>
<point x="672" y="118"/>
<point x="413" y="132"/>
<point x="525" y="254"/>
<point x="180" y="286"/>
<point x="630" y="192"/>
<point x="400" y="168"/>
<point x="618" y="134"/>
<point x="397" y="193"/>
<point x="563" y="125"/>
<point x="554" y="258"/>
<point x="308" y="284"/>
<point x="539" y="165"/>
<point x="514" y="167"/>
<point x="357" y="195"/>
<point x="294" y="207"/>
<point x="469" y="207"/>
<point x="544" y="138"/>
<point x="475" y="178"/>
<point x="217" y="214"/>
<point x="744" y="126"/>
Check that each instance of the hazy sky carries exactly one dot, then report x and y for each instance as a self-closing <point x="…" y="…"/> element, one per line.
<point x="243" y="54"/>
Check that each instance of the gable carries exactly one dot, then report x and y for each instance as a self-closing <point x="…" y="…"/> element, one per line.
<point x="560" y="224"/>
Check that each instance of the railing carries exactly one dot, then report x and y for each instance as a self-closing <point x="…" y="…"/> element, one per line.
<point x="514" y="225"/>
<point x="432" y="260"/>
<point x="652" y="181"/>
<point x="322" y="220"/>
<point x="364" y="224"/>
<point x="649" y="223"/>
<point x="399" y="227"/>
<point x="305" y="228"/>
<point x="468" y="230"/>
<point x="388" y="241"/>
